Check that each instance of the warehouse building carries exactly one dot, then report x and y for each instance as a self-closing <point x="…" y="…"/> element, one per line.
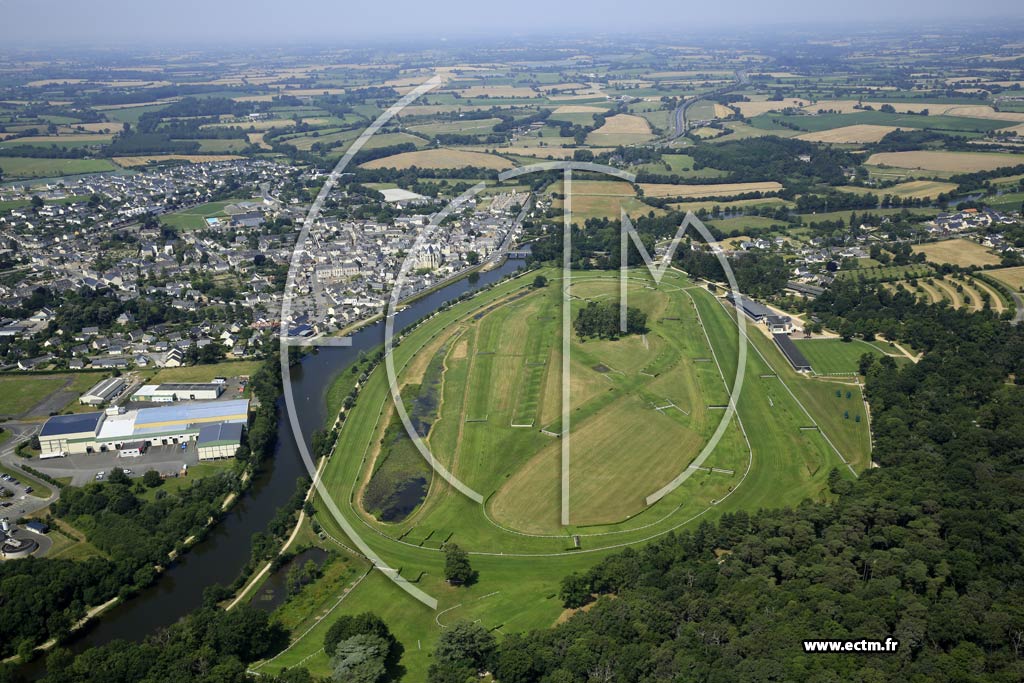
<point x="219" y="440"/>
<point x="136" y="430"/>
<point x="102" y="392"/>
<point x="67" y="434"/>
<point x="168" y="393"/>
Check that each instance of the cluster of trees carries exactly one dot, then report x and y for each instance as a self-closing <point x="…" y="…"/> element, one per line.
<point x="774" y="158"/>
<point x="208" y="646"/>
<point x="362" y="649"/>
<point x="602" y="320"/>
<point x="759" y="275"/>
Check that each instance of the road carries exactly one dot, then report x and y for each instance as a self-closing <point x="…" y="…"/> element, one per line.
<point x="23" y="504"/>
<point x="1018" y="301"/>
<point x="680" y="113"/>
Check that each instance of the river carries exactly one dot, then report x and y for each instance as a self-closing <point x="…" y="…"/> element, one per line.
<point x="219" y="558"/>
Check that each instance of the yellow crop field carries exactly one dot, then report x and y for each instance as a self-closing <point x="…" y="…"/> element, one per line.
<point x="1012" y="277"/>
<point x="621" y="129"/>
<point x="959" y="252"/>
<point x="954" y="162"/>
<point x="716" y="190"/>
<point x="440" y="158"/>
<point x="498" y="91"/>
<point x="862" y="132"/>
<point x="915" y="189"/>
<point x="579" y="109"/>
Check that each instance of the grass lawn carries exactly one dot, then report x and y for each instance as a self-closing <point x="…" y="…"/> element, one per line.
<point x="19" y="393"/>
<point x="195" y="472"/>
<point x="205" y="373"/>
<point x="835" y="356"/>
<point x="24" y="167"/>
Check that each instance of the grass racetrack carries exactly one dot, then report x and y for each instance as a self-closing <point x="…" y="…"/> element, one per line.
<point x="642" y="408"/>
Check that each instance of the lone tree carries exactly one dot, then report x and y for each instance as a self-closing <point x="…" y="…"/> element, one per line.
<point x="539" y="282"/>
<point x="457" y="570"/>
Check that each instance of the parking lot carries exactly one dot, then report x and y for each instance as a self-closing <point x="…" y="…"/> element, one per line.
<point x="83" y="468"/>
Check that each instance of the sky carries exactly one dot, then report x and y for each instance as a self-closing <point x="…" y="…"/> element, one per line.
<point x="42" y="23"/>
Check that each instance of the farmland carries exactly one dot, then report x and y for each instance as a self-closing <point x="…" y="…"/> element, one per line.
<point x="864" y="132"/>
<point x="715" y="190"/>
<point x="621" y="129"/>
<point x="440" y="158"/>
<point x="24" y="167"/>
<point x="959" y="252"/>
<point x="954" y="162"/>
<point x="914" y="189"/>
<point x="1012" y="277"/>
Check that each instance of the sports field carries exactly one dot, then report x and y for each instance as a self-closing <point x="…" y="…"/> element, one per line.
<point x="959" y="252"/>
<point x="642" y="408"/>
<point x="838" y="357"/>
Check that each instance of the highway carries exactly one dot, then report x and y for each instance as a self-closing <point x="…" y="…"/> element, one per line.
<point x="680" y="112"/>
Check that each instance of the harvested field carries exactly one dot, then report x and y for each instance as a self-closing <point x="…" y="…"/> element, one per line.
<point x="752" y="109"/>
<point x="156" y="158"/>
<point x="959" y="252"/>
<point x="915" y="189"/>
<point x="440" y="158"/>
<point x="1012" y="277"/>
<point x="498" y="91"/>
<point x="579" y="109"/>
<point x="621" y="129"/>
<point x="953" y="162"/>
<point x="717" y="190"/>
<point x="859" y="133"/>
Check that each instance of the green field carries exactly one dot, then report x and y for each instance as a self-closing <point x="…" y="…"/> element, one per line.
<point x="19" y="393"/>
<point x="835" y="356"/>
<point x="820" y="122"/>
<point x="194" y="218"/>
<point x="205" y="373"/>
<point x="24" y="167"/>
<point x="499" y="363"/>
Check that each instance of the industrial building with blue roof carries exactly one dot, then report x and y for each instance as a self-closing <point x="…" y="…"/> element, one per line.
<point x="127" y="431"/>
